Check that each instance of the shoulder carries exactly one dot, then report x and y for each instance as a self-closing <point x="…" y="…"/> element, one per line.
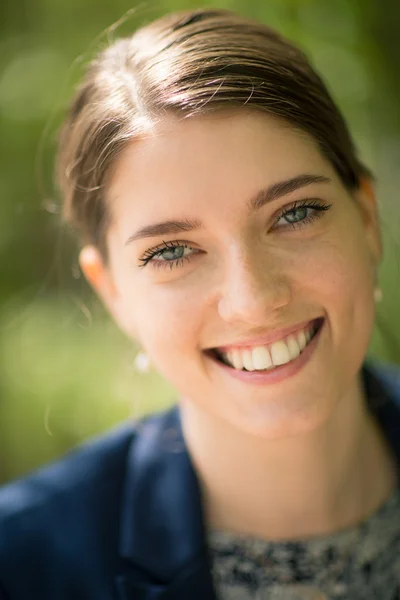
<point x="97" y="461"/>
<point x="387" y="375"/>
<point x="63" y="519"/>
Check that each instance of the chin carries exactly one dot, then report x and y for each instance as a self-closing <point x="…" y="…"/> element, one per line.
<point x="279" y="422"/>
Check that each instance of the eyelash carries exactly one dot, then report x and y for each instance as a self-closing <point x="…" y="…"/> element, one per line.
<point x="151" y="253"/>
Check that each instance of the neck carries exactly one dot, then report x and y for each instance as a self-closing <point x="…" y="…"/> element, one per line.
<point x="306" y="485"/>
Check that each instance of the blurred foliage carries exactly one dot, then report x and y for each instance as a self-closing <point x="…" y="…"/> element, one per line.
<point x="66" y="372"/>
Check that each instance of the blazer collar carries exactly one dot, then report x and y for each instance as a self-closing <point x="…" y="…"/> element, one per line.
<point x="162" y="527"/>
<point x="382" y="390"/>
<point x="162" y="534"/>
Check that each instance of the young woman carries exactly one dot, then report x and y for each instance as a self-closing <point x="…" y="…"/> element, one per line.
<point x="229" y="226"/>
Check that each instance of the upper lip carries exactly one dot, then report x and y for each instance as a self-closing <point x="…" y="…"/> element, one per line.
<point x="268" y="338"/>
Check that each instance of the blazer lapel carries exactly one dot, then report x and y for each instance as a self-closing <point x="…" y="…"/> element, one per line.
<point x="382" y="388"/>
<point x="194" y="584"/>
<point x="162" y="538"/>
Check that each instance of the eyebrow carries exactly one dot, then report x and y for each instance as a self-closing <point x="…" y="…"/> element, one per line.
<point x="276" y="190"/>
<point x="263" y="197"/>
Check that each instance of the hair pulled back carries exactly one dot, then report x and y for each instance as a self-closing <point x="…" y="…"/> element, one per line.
<point x="187" y="63"/>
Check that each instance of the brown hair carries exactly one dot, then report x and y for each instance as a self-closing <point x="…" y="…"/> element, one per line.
<point x="187" y="63"/>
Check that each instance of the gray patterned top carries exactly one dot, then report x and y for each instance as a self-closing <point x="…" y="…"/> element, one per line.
<point x="359" y="563"/>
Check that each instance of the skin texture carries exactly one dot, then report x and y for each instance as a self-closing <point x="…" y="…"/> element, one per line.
<point x="250" y="273"/>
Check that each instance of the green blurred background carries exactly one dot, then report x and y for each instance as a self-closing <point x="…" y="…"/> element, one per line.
<point x="66" y="372"/>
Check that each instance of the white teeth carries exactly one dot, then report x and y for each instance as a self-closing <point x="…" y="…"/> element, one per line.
<point x="301" y="339"/>
<point x="248" y="360"/>
<point x="293" y="346"/>
<point x="261" y="358"/>
<point x="235" y="358"/>
<point x="279" y="353"/>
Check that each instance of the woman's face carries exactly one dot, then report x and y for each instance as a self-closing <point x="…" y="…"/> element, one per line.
<point x="197" y="266"/>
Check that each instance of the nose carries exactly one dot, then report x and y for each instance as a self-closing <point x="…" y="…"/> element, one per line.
<point x="252" y="290"/>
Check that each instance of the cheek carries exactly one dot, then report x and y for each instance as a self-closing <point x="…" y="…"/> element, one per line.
<point x="340" y="260"/>
<point x="167" y="320"/>
<point x="341" y="273"/>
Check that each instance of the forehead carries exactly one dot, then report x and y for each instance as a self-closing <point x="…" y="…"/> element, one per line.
<point x="195" y="161"/>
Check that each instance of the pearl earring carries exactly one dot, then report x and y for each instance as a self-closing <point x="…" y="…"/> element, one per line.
<point x="378" y="294"/>
<point x="142" y="362"/>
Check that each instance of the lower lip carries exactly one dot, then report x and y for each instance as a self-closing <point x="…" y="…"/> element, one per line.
<point x="278" y="373"/>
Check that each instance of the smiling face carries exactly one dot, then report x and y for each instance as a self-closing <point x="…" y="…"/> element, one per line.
<point x="269" y="239"/>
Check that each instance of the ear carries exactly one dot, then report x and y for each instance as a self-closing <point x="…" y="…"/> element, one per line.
<point x="99" y="277"/>
<point x="368" y="204"/>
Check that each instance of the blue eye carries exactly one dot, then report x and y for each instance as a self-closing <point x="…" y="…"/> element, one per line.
<point x="297" y="215"/>
<point x="172" y="254"/>
<point x="302" y="211"/>
<point x="175" y="253"/>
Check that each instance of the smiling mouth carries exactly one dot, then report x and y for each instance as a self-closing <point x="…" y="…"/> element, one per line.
<point x="266" y="358"/>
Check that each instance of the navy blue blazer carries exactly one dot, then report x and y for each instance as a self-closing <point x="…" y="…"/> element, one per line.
<point x="121" y="517"/>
